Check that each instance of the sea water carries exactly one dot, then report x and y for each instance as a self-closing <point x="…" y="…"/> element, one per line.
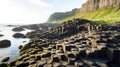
<point x="12" y="51"/>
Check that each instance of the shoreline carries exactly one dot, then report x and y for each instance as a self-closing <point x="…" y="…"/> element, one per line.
<point x="71" y="44"/>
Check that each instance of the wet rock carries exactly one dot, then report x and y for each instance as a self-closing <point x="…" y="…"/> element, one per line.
<point x="17" y="29"/>
<point x="5" y="59"/>
<point x="1" y="35"/>
<point x="19" y="35"/>
<point x="5" y="43"/>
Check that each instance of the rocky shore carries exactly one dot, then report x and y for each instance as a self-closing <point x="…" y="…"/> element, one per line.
<point x="75" y="43"/>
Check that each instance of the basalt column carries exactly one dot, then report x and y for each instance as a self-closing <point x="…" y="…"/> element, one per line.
<point x="63" y="29"/>
<point x="89" y="28"/>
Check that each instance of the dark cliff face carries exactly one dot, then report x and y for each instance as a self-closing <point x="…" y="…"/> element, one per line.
<point x="90" y="5"/>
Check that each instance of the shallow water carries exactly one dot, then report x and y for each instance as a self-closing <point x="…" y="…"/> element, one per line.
<point x="12" y="51"/>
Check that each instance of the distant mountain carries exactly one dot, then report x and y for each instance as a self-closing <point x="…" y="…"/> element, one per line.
<point x="96" y="10"/>
<point x="61" y="15"/>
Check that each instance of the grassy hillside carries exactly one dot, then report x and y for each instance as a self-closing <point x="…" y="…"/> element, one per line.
<point x="101" y="16"/>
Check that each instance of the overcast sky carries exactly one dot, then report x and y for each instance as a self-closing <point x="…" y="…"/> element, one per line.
<point x="33" y="11"/>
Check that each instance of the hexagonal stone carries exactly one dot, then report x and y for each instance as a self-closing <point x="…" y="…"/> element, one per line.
<point x="71" y="61"/>
<point x="41" y="63"/>
<point x="55" y="58"/>
<point x="79" y="63"/>
<point x="32" y="61"/>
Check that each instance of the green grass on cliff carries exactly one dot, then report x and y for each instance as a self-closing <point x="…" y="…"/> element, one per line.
<point x="101" y="16"/>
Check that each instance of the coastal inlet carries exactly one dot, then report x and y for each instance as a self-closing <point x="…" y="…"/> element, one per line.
<point x="11" y="51"/>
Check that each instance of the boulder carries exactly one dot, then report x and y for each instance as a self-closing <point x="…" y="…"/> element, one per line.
<point x="5" y="43"/>
<point x="5" y="59"/>
<point x="19" y="35"/>
<point x="17" y="29"/>
<point x="1" y="35"/>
